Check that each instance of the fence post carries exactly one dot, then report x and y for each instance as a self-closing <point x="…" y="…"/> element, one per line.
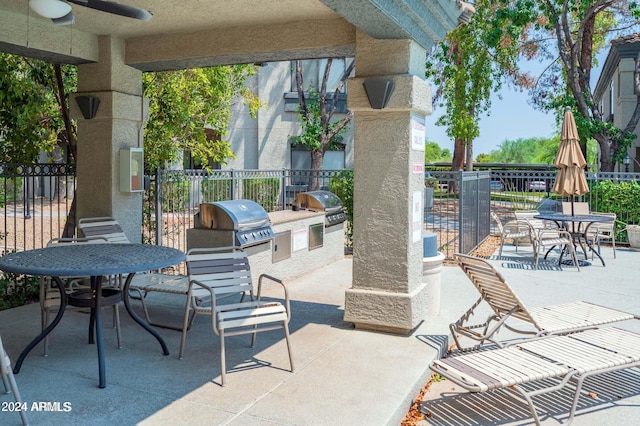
<point x="284" y="188"/>
<point x="233" y="184"/>
<point x="460" y="211"/>
<point x="158" y="202"/>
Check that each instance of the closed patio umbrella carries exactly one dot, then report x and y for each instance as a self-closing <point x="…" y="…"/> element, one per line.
<point x="570" y="179"/>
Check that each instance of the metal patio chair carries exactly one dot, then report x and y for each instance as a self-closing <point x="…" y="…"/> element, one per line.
<point x="9" y="382"/>
<point x="605" y="231"/>
<point x="225" y="271"/>
<point x="547" y="239"/>
<point x="514" y="230"/>
<point x="50" y="295"/>
<point x="106" y="227"/>
<point x="507" y="308"/>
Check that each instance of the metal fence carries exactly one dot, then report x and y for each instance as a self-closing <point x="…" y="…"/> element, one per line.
<point x="36" y="198"/>
<point x="174" y="196"/>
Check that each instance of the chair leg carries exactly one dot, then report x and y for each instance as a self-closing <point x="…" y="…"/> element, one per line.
<point x="116" y="319"/>
<point x="286" y="336"/>
<point x="44" y="317"/>
<point x="185" y="326"/>
<point x="223" y="361"/>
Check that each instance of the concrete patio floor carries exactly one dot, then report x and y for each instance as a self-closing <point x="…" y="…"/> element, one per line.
<point x="342" y="377"/>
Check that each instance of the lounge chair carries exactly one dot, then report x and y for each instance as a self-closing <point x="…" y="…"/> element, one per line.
<point x="225" y="271"/>
<point x="572" y="357"/>
<point x="508" y="308"/>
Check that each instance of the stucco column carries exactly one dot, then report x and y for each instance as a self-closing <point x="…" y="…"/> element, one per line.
<point x="117" y="125"/>
<point x="388" y="292"/>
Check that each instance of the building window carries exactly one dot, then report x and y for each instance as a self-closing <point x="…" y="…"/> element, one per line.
<point x="301" y="158"/>
<point x="313" y="72"/>
<point x="611" y="98"/>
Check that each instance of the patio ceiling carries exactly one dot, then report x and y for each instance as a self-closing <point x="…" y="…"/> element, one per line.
<point x="190" y="33"/>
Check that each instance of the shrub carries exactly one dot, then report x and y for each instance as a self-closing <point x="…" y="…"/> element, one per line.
<point x="18" y="290"/>
<point x="342" y="186"/>
<point x="263" y="191"/>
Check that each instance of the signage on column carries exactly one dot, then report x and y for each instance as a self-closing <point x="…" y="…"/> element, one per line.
<point x="416" y="219"/>
<point x="417" y="133"/>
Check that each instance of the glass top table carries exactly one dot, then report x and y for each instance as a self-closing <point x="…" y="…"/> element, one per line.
<point x="95" y="261"/>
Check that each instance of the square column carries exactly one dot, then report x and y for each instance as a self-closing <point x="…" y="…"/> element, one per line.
<point x="388" y="292"/>
<point x="118" y="124"/>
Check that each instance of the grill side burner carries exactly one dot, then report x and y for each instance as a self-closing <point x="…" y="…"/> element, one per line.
<point x="246" y="219"/>
<point x="323" y="201"/>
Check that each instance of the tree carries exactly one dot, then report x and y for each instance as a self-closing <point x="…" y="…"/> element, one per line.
<point x="184" y="104"/>
<point x="574" y="30"/>
<point x="433" y="153"/>
<point x="34" y="108"/>
<point x="316" y="110"/>
<point x="472" y="63"/>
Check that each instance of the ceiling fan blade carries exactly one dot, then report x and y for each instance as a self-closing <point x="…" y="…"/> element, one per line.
<point x="67" y="19"/>
<point x="115" y="8"/>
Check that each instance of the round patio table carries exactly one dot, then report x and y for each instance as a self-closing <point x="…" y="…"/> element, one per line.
<point x="578" y="225"/>
<point x="95" y="261"/>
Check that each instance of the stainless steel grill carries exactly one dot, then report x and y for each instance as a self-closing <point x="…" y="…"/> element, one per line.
<point x="245" y="219"/>
<point x="322" y="201"/>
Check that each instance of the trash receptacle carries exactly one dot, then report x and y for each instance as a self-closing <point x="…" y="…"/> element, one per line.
<point x="431" y="271"/>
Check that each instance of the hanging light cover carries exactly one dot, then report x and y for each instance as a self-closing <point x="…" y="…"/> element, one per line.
<point x="50" y="8"/>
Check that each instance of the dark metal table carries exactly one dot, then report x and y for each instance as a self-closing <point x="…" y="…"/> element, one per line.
<point x="95" y="261"/>
<point x="578" y="225"/>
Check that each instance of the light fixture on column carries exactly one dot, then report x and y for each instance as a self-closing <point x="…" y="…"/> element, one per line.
<point x="88" y="106"/>
<point x="53" y="9"/>
<point x="379" y="91"/>
<point x="627" y="161"/>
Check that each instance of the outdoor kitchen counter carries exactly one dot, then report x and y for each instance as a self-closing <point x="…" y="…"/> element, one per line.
<point x="283" y="216"/>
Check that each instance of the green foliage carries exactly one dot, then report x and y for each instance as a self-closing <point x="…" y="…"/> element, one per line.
<point x="18" y="290"/>
<point x="183" y="102"/>
<point x="175" y="195"/>
<point x="10" y="188"/>
<point x="214" y="190"/>
<point x="622" y="198"/>
<point x="342" y="186"/>
<point x="434" y="154"/>
<point x="30" y="116"/>
<point x="313" y="129"/>
<point x="263" y="191"/>
<point x="470" y="65"/>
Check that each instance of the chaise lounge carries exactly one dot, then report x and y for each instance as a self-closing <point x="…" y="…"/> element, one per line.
<point x="507" y="309"/>
<point x="566" y="358"/>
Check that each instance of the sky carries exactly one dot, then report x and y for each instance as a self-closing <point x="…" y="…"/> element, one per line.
<point x="512" y="117"/>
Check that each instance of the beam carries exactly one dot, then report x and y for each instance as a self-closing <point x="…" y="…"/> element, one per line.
<point x="263" y="43"/>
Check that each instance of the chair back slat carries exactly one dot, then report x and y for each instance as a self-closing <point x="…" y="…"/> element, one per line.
<point x="106" y="227"/>
<point x="226" y="270"/>
<point x="493" y="287"/>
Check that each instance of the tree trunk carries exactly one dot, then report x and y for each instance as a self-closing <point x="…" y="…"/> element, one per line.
<point x="469" y="156"/>
<point x="316" y="167"/>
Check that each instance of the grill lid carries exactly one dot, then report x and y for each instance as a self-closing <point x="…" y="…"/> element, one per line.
<point x="233" y="215"/>
<point x="319" y="201"/>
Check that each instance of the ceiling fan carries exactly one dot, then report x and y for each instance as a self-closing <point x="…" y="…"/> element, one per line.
<point x="60" y="11"/>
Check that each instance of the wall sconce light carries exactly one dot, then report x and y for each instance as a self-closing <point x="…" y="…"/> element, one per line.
<point x="378" y="91"/>
<point x="88" y="106"/>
